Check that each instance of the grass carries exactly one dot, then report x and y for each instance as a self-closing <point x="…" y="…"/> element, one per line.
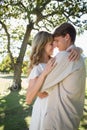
<point x="15" y="114"/>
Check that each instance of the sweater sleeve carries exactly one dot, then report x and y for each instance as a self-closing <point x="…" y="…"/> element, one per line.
<point x="63" y="68"/>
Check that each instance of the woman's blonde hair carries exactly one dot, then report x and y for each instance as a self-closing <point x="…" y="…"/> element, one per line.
<point x="38" y="44"/>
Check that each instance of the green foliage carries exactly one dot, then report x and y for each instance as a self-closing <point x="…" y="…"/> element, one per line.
<point x="17" y="14"/>
<point x="6" y="65"/>
<point x="25" y="67"/>
<point x="86" y="65"/>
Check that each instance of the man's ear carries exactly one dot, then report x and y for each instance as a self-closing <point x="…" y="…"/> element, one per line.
<point x="67" y="37"/>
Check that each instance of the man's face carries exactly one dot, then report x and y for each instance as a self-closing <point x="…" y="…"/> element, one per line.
<point x="61" y="43"/>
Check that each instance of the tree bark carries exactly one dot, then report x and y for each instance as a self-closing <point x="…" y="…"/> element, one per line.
<point x="16" y="85"/>
<point x="18" y="66"/>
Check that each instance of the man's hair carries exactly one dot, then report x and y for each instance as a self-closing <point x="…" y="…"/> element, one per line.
<point x="65" y="28"/>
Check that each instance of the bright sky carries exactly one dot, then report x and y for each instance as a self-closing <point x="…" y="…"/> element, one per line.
<point x="81" y="41"/>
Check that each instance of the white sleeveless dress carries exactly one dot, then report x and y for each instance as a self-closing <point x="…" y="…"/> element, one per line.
<point x="39" y="107"/>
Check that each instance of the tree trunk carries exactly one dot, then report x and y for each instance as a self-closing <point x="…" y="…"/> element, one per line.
<point x="16" y="85"/>
<point x="18" y="66"/>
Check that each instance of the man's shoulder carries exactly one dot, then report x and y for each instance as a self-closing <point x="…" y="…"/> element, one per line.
<point x="61" y="54"/>
<point x="82" y="60"/>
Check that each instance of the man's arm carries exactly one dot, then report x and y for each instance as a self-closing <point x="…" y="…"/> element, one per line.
<point x="63" y="68"/>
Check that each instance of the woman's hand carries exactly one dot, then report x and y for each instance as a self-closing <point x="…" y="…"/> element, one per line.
<point x="35" y="84"/>
<point x="74" y="53"/>
<point x="42" y="94"/>
<point x="49" y="66"/>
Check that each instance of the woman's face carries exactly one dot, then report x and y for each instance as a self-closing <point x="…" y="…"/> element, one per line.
<point x="49" y="48"/>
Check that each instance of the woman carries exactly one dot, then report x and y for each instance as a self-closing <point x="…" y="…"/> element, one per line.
<point x="41" y="64"/>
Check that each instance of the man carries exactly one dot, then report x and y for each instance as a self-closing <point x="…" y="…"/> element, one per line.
<point x="65" y="85"/>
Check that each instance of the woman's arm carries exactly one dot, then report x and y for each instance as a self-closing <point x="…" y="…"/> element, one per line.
<point x="36" y="83"/>
<point x="33" y="88"/>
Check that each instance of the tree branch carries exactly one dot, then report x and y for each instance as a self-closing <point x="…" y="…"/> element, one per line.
<point x="8" y="38"/>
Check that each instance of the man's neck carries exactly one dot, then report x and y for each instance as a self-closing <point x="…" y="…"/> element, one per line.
<point x="71" y="46"/>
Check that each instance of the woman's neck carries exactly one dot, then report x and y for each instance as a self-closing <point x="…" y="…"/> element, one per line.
<point x="45" y="58"/>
